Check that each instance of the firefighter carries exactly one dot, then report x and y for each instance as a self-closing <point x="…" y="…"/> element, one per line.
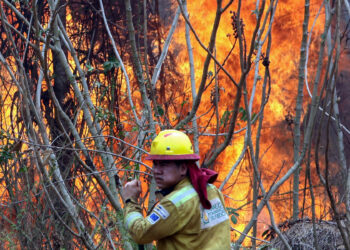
<point x="191" y="214"/>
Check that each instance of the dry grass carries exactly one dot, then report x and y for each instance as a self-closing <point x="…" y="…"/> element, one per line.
<point x="300" y="236"/>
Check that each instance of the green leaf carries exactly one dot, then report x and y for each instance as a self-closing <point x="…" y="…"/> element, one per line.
<point x="2" y="134"/>
<point x="121" y="134"/>
<point x="244" y="114"/>
<point x="89" y="67"/>
<point x="224" y="118"/>
<point x="253" y="116"/>
<point x="111" y="64"/>
<point x="234" y="219"/>
<point x="127" y="167"/>
<point x="160" y="110"/>
<point x="107" y="66"/>
<point x="255" y="12"/>
<point x="232" y="212"/>
<point x="23" y="169"/>
<point x="5" y="154"/>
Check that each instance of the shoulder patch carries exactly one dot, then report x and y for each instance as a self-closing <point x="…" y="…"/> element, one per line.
<point x="161" y="211"/>
<point x="153" y="218"/>
<point x="215" y="215"/>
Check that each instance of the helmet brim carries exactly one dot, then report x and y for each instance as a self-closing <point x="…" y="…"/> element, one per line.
<point x="193" y="157"/>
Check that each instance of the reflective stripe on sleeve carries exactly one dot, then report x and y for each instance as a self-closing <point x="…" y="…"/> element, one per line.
<point x="183" y="195"/>
<point x="131" y="217"/>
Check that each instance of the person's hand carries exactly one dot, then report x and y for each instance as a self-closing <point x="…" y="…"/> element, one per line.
<point x="132" y="190"/>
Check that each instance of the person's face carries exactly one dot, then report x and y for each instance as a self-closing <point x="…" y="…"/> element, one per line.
<point x="168" y="173"/>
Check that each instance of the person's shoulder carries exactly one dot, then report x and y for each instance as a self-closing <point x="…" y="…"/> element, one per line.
<point x="213" y="191"/>
<point x="182" y="195"/>
<point x="212" y="188"/>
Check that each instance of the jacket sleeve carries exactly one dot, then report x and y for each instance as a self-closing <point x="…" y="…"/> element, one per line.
<point x="163" y="221"/>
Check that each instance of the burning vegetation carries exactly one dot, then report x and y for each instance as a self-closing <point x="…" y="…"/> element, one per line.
<point x="260" y="86"/>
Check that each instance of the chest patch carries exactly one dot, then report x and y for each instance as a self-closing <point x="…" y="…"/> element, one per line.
<point x="161" y="211"/>
<point x="213" y="216"/>
<point x="153" y="218"/>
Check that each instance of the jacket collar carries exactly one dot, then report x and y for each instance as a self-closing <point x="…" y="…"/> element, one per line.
<point x="183" y="183"/>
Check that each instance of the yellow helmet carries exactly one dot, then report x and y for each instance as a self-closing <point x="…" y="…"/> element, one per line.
<point x="172" y="145"/>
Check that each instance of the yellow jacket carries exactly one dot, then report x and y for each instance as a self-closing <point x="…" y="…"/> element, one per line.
<point x="179" y="221"/>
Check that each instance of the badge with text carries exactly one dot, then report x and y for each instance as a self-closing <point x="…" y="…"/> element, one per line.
<point x="213" y="216"/>
<point x="161" y="211"/>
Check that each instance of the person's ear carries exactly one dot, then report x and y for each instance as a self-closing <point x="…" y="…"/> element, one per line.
<point x="183" y="169"/>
